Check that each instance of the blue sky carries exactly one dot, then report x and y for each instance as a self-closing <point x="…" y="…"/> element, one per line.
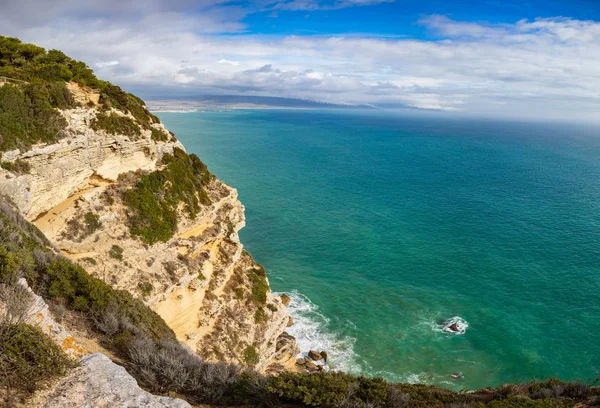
<point x="528" y="59"/>
<point x="399" y="18"/>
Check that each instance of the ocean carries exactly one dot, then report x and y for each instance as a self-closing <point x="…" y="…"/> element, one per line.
<point x="385" y="227"/>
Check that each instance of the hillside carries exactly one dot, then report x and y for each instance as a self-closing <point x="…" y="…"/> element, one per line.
<point x="132" y="247"/>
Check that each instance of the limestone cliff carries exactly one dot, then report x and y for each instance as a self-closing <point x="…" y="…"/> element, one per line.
<point x="200" y="281"/>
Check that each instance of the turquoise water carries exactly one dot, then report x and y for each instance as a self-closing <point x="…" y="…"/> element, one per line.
<point x="383" y="226"/>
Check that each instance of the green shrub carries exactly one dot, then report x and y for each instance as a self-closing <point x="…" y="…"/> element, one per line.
<point x="91" y="261"/>
<point x="116" y="124"/>
<point x="27" y="358"/>
<point x="327" y="389"/>
<point x="27" y="116"/>
<point x="251" y="357"/>
<point x="18" y="166"/>
<point x="116" y="252"/>
<point x="27" y="113"/>
<point x="260" y="316"/>
<point x="154" y="201"/>
<point x="260" y="287"/>
<point x="92" y="222"/>
<point x="159" y="136"/>
<point x="145" y="287"/>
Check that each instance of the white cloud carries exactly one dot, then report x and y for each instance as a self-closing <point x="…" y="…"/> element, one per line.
<point x="539" y="68"/>
<point x="228" y="62"/>
<point x="107" y="64"/>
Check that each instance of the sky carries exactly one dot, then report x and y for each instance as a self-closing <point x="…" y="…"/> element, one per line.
<point x="530" y="59"/>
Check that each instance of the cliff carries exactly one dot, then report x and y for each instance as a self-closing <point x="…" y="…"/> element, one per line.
<point x="198" y="280"/>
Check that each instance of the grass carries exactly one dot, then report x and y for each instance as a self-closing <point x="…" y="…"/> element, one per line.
<point x="154" y="201"/>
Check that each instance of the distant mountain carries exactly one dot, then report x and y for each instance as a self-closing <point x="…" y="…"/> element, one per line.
<point x="236" y="101"/>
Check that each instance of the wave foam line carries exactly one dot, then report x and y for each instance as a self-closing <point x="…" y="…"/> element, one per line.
<point x="311" y="331"/>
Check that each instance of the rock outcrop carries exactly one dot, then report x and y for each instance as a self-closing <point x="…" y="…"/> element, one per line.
<point x="100" y="383"/>
<point x="83" y="159"/>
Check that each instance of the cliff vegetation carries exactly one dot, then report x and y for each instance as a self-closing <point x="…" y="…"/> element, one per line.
<point x="35" y="84"/>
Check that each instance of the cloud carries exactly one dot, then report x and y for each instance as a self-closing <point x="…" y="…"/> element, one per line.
<point x="534" y="68"/>
<point x="226" y="61"/>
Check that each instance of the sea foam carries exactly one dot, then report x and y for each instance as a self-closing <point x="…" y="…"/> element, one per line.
<point x="444" y="327"/>
<point x="311" y="331"/>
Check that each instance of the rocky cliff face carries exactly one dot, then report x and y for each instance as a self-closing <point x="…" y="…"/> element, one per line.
<point x="201" y="281"/>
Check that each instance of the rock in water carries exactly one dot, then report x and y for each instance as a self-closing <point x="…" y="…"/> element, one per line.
<point x="99" y="382"/>
<point x="285" y="299"/>
<point x="324" y="355"/>
<point x="314" y="355"/>
<point x="310" y="366"/>
<point x="454" y="327"/>
<point x="290" y="322"/>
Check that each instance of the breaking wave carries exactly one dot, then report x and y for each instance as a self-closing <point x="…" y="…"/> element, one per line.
<point x="311" y="330"/>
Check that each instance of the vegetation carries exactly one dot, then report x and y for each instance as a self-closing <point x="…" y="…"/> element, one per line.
<point x="251" y="357"/>
<point x="92" y="222"/>
<point x="36" y="86"/>
<point x="27" y="116"/>
<point x="18" y="166"/>
<point x="260" y="287"/>
<point x="159" y="136"/>
<point x="146" y="288"/>
<point x="116" y="252"/>
<point x="116" y="124"/>
<point x="27" y="358"/>
<point x="154" y="201"/>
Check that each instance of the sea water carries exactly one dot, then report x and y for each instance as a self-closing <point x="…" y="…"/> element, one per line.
<point x="386" y="229"/>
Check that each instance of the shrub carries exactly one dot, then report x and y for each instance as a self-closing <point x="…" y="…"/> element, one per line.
<point x="27" y="357"/>
<point x="251" y="357"/>
<point x="154" y="201"/>
<point x="91" y="261"/>
<point x="327" y="389"/>
<point x="92" y="222"/>
<point x="27" y="116"/>
<point x="159" y="136"/>
<point x="116" y="252"/>
<point x="260" y="287"/>
<point x="18" y="166"/>
<point x="145" y="287"/>
<point x="116" y="124"/>
<point x="27" y="113"/>
<point x="260" y="316"/>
